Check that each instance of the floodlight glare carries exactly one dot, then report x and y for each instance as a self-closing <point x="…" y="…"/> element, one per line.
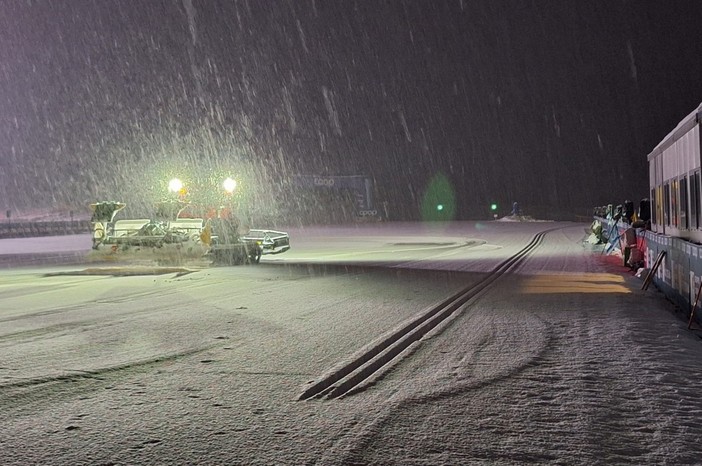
<point x="175" y="185"/>
<point x="229" y="185"/>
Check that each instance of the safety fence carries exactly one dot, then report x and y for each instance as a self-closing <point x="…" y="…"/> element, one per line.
<point x="678" y="273"/>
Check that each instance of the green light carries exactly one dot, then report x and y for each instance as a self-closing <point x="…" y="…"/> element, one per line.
<point x="439" y="200"/>
<point x="493" y="206"/>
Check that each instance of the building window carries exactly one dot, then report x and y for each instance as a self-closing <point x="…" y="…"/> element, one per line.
<point x="666" y="204"/>
<point x="695" y="201"/>
<point x="683" y="203"/>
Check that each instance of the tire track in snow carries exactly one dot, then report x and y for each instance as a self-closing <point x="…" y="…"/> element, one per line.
<point x="485" y="361"/>
<point x="48" y="389"/>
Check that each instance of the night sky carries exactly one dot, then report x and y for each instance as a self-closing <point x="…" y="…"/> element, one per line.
<point x="552" y="103"/>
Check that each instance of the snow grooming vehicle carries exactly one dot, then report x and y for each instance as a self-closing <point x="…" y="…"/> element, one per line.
<point x="167" y="238"/>
<point x="228" y="247"/>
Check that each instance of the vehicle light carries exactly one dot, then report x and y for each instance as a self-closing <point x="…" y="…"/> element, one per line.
<point x="175" y="185"/>
<point x="229" y="185"/>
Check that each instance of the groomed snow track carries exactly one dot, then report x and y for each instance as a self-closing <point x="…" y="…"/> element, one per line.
<point x="348" y="379"/>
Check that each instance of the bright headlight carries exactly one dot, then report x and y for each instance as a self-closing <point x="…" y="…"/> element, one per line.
<point x="229" y="185"/>
<point x="175" y="185"/>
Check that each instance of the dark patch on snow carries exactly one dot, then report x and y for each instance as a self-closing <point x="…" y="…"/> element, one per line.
<point x="125" y="271"/>
<point x="421" y="244"/>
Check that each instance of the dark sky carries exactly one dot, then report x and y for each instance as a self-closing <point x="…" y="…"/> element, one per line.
<point x="551" y="103"/>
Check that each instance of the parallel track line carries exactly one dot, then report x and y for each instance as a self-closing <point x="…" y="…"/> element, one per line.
<point x="351" y="375"/>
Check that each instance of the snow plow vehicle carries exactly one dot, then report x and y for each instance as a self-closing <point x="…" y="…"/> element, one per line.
<point x="169" y="236"/>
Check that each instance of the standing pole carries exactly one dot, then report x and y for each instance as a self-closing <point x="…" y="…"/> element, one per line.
<point x="694" y="306"/>
<point x="652" y="272"/>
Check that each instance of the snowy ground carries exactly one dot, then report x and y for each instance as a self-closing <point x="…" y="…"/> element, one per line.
<point x="564" y="361"/>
